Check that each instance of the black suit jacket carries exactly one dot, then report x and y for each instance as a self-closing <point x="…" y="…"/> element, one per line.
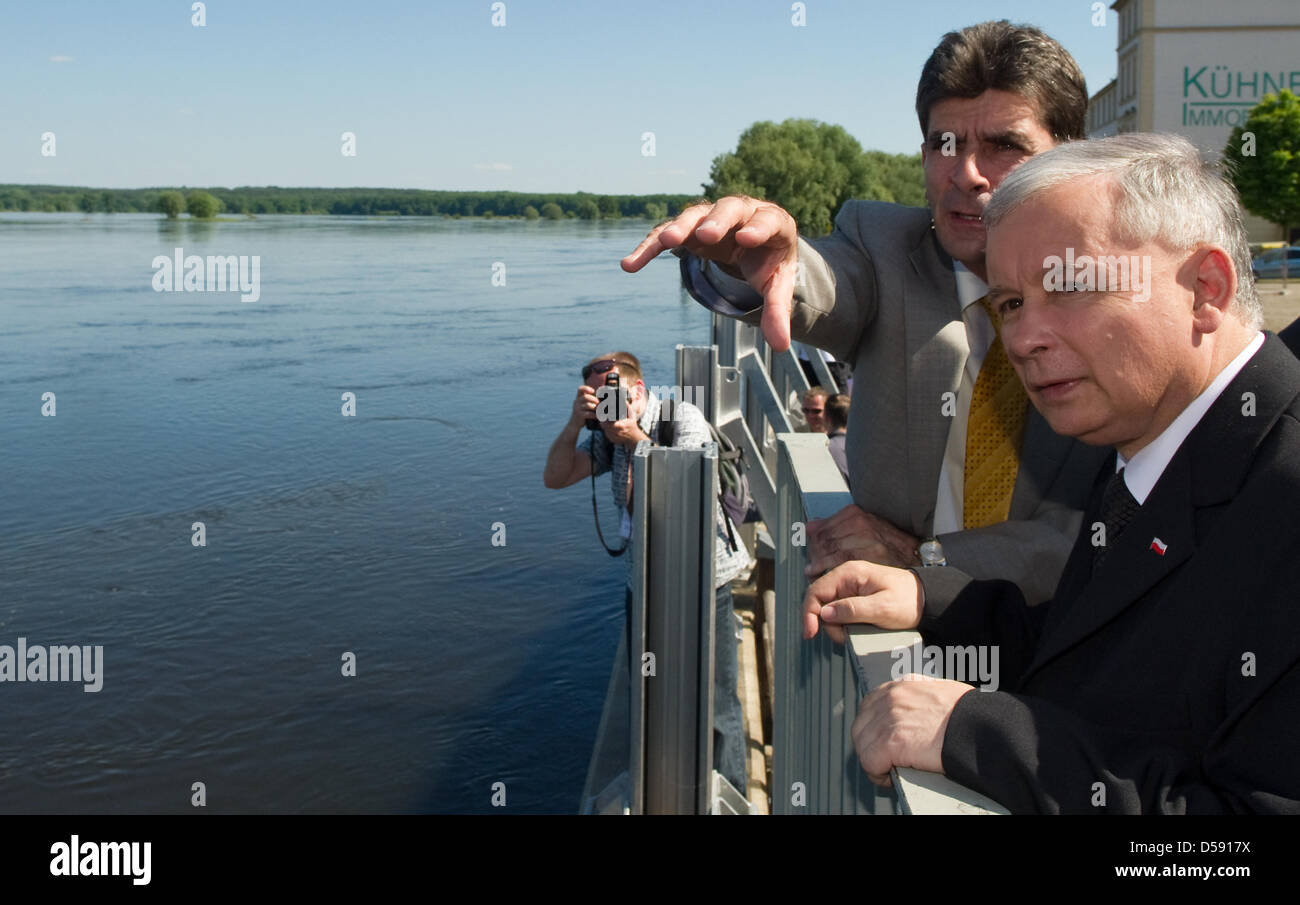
<point x="1291" y="336"/>
<point x="1169" y="681"/>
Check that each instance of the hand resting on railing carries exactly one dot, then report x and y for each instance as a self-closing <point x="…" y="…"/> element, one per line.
<point x="853" y="533"/>
<point x="900" y="723"/>
<point x="862" y="592"/>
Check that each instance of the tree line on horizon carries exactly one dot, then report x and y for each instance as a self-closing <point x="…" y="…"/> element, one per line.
<point x="808" y="167"/>
<point x="352" y="201"/>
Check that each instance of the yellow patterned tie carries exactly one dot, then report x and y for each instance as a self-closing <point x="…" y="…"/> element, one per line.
<point x="993" y="433"/>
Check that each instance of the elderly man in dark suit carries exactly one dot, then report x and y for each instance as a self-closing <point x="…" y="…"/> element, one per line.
<point x="1164" y="676"/>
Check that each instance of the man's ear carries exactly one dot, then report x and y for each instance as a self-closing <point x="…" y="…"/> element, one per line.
<point x="1215" y="288"/>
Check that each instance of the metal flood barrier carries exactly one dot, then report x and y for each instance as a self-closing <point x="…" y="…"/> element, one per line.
<point x="818" y="683"/>
<point x="660" y="698"/>
<point x="814" y="767"/>
<point x="654" y="749"/>
<point x="672" y="629"/>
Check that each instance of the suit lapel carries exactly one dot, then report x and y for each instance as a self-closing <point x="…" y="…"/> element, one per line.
<point x="936" y="352"/>
<point x="1134" y="565"/>
<point x="1078" y="567"/>
<point x="1207" y="471"/>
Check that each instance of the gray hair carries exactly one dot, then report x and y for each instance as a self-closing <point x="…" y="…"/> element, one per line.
<point x="1164" y="192"/>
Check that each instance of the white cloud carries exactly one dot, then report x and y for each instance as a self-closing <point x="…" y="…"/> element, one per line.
<point x="496" y="167"/>
<point x="60" y="58"/>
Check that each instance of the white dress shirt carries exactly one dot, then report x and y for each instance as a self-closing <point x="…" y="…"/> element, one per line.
<point x="1149" y="463"/>
<point x="948" y="507"/>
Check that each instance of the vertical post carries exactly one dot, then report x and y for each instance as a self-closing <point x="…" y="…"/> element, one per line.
<point x="698" y="377"/>
<point x="672" y="618"/>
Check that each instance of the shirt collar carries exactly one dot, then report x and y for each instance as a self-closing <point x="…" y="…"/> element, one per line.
<point x="970" y="288"/>
<point x="650" y="415"/>
<point x="1149" y="463"/>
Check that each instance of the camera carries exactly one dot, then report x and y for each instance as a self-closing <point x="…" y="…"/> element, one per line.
<point x="611" y="380"/>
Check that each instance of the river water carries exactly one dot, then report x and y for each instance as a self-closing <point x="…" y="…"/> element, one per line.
<point x="329" y="538"/>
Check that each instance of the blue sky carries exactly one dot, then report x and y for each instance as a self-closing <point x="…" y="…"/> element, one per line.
<point x="557" y="100"/>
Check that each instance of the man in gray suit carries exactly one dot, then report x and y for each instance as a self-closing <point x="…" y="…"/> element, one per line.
<point x="949" y="465"/>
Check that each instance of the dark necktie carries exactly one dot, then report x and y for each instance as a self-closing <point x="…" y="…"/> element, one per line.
<point x="1118" y="508"/>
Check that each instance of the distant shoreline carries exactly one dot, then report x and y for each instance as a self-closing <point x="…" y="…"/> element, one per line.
<point x="350" y="201"/>
<point x="243" y="218"/>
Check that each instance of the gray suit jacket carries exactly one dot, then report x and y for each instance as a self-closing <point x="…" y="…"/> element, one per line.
<point x="879" y="292"/>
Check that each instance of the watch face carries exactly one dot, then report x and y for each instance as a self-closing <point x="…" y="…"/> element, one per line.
<point x="931" y="553"/>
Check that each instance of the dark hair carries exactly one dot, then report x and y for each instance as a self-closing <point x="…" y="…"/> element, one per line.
<point x="1004" y="57"/>
<point x="837" y="412"/>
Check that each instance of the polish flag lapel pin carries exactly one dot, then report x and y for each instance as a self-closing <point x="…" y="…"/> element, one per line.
<point x="1159" y="546"/>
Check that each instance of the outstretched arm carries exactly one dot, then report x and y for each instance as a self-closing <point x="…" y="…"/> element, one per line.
<point x="566" y="464"/>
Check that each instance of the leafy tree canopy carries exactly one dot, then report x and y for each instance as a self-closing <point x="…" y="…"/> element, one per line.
<point x="811" y="168"/>
<point x="202" y="205"/>
<point x="1263" y="156"/>
<point x="171" y="203"/>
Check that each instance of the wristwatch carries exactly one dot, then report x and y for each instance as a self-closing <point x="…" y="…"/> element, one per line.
<point x="931" y="553"/>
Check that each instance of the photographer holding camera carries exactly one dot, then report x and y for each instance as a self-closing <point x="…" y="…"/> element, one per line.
<point x="608" y="446"/>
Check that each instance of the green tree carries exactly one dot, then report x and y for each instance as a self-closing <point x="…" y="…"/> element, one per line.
<point x="18" y="200"/>
<point x="552" y="211"/>
<point x="587" y="209"/>
<point x="171" y="203"/>
<point x="202" y="206"/>
<point x="86" y="203"/>
<point x="608" y="206"/>
<point x="530" y="212"/>
<point x="902" y="175"/>
<point x="1264" y="158"/>
<point x="808" y="167"/>
<point x="655" y="211"/>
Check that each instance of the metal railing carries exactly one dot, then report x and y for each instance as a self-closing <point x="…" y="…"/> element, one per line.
<point x="654" y="745"/>
<point x="818" y="683"/>
<point x="814" y="768"/>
